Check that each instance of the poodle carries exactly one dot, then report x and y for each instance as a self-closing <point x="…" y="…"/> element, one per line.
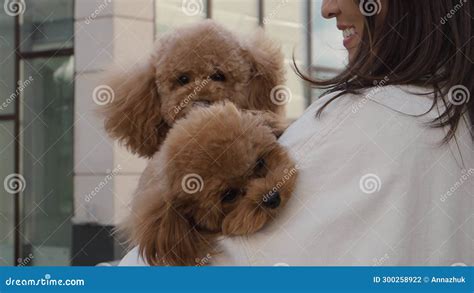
<point x="219" y="172"/>
<point x="194" y="65"/>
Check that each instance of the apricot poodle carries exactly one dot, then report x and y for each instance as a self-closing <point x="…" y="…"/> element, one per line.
<point x="194" y="65"/>
<point x="220" y="171"/>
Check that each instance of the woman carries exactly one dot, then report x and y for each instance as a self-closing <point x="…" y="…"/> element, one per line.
<point x="386" y="156"/>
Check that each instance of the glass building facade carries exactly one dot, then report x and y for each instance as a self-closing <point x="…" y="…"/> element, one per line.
<point x="39" y="145"/>
<point x="36" y="92"/>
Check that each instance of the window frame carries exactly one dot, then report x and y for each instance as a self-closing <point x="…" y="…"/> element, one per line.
<point x="19" y="55"/>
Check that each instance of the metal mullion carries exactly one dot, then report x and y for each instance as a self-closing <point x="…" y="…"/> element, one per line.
<point x="314" y="69"/>
<point x="309" y="47"/>
<point x="7" y="117"/>
<point x="208" y="8"/>
<point x="46" y="54"/>
<point x="261" y="13"/>
<point x="17" y="202"/>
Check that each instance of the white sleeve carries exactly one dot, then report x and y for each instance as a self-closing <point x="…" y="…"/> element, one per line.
<point x="374" y="188"/>
<point x="132" y="259"/>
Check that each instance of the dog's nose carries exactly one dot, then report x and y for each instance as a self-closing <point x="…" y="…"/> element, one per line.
<point x="272" y="200"/>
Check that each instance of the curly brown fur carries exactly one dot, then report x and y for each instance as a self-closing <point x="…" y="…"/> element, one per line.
<point x="217" y="66"/>
<point x="247" y="177"/>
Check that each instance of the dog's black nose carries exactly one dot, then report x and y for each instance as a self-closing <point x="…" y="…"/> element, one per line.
<point x="272" y="200"/>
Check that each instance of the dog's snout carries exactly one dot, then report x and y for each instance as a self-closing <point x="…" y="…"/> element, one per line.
<point x="272" y="200"/>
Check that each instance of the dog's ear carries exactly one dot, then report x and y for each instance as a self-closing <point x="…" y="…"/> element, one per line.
<point x="268" y="71"/>
<point x="275" y="122"/>
<point x="133" y="116"/>
<point x="167" y="237"/>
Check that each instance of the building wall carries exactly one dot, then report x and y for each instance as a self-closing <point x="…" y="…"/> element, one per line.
<point x="108" y="35"/>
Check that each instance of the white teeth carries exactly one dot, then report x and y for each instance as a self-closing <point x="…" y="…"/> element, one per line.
<point x="348" y="32"/>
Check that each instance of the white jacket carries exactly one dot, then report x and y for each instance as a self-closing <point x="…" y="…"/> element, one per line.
<point x="375" y="187"/>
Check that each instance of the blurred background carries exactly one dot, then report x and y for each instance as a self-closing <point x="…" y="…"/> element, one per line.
<point x="65" y="183"/>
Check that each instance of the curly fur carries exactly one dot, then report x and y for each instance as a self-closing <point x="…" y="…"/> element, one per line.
<point x="149" y="98"/>
<point x="223" y="145"/>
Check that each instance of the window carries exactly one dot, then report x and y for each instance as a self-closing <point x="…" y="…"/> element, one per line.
<point x="328" y="52"/>
<point x="7" y="63"/>
<point x="7" y="136"/>
<point x="47" y="25"/>
<point x="47" y="158"/>
<point x="284" y="21"/>
<point x="7" y="220"/>
<point x="328" y="55"/>
<point x="36" y="119"/>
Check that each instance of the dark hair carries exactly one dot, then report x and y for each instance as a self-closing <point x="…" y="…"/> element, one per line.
<point x="422" y="42"/>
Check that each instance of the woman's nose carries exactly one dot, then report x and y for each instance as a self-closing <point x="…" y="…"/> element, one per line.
<point x="330" y="8"/>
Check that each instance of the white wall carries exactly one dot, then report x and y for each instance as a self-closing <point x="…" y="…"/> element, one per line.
<point x="107" y="33"/>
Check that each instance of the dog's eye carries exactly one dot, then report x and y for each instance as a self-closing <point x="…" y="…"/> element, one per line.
<point x="183" y="79"/>
<point x="259" y="169"/>
<point x="218" y="76"/>
<point x="230" y="195"/>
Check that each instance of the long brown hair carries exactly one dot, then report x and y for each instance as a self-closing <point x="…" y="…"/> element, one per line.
<point x="424" y="42"/>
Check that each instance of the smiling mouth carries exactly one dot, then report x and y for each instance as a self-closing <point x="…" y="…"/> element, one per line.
<point x="349" y="34"/>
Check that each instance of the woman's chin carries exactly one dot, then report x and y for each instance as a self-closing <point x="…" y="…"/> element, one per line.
<point x="351" y="54"/>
